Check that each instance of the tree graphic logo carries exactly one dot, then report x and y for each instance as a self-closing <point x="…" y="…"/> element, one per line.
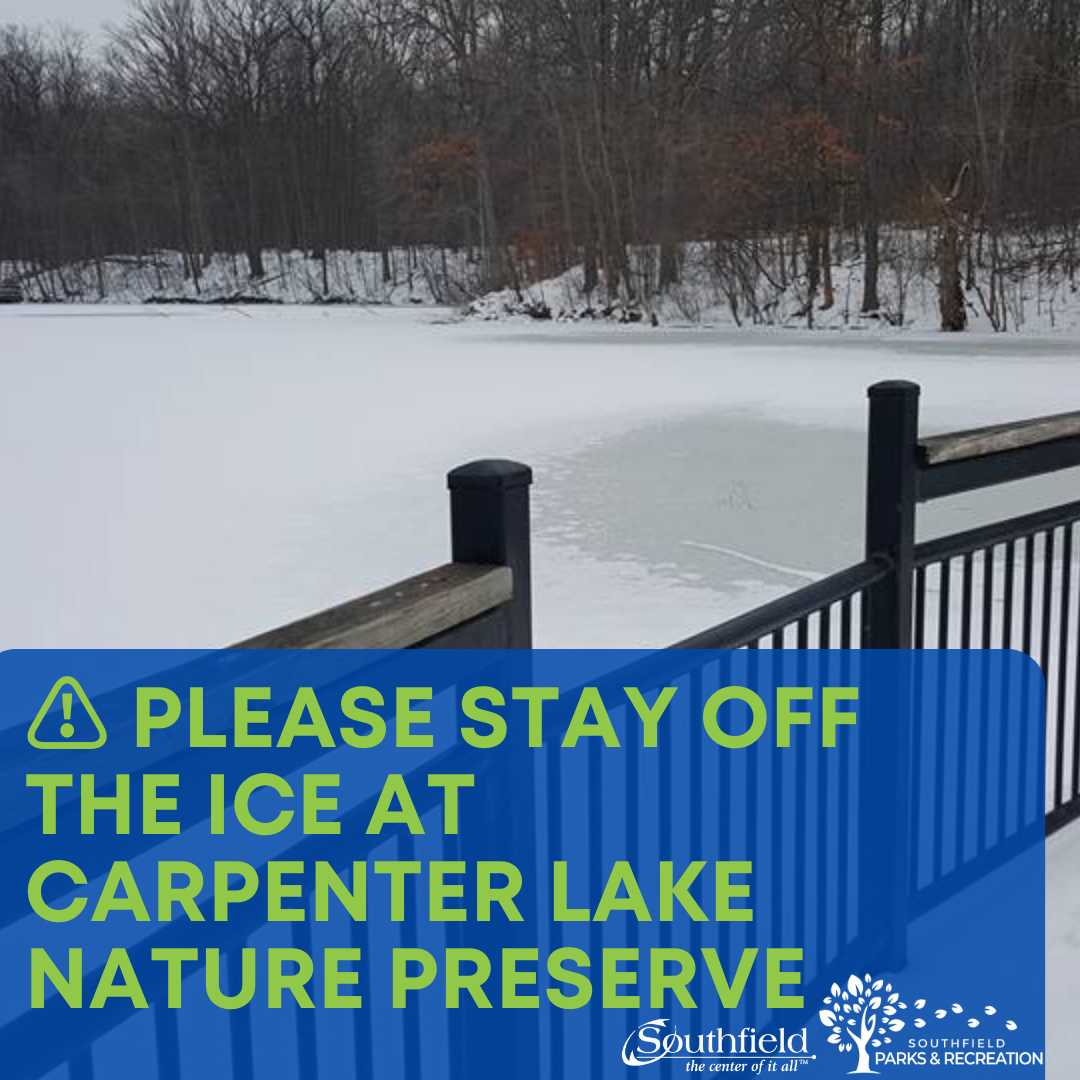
<point x="861" y="1016"/>
<point x="865" y="1014"/>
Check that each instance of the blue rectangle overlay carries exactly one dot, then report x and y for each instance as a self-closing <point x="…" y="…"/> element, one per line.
<point x="465" y="864"/>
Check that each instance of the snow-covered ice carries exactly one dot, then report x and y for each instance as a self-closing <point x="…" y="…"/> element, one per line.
<point x="1062" y="951"/>
<point x="186" y="477"/>
<point x="191" y="476"/>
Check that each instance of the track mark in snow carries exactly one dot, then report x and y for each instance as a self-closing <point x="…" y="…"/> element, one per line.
<point x="806" y="575"/>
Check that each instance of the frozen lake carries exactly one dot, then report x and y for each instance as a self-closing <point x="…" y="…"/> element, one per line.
<point x="192" y="476"/>
<point x="187" y="477"/>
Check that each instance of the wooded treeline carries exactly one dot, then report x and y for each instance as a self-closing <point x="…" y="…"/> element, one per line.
<point x="542" y="133"/>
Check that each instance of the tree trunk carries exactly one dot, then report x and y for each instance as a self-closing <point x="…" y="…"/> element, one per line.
<point x="592" y="270"/>
<point x="813" y="264"/>
<point x="493" y="263"/>
<point x="871" y="300"/>
<point x="828" y="292"/>
<point x="669" y="266"/>
<point x="950" y="289"/>
<point x="256" y="270"/>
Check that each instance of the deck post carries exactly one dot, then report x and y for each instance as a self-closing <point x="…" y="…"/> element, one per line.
<point x="489" y="524"/>
<point x="489" y="515"/>
<point x="891" y="496"/>
<point x="892" y="471"/>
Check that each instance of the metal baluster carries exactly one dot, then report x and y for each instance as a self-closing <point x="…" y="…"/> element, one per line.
<point x="631" y="802"/>
<point x="553" y="760"/>
<point x="1045" y="645"/>
<point x="803" y="816"/>
<point x="822" y="830"/>
<point x="1007" y="618"/>
<point x="243" y="1048"/>
<point x="363" y="1046"/>
<point x="944" y="582"/>
<point x="597" y="1049"/>
<point x="1029" y="590"/>
<point x="965" y="602"/>
<point x="1010" y="584"/>
<point x="409" y="940"/>
<point x="1047" y="601"/>
<point x="965" y="706"/>
<point x="667" y="831"/>
<point x="920" y="607"/>
<point x="755" y="834"/>
<point x="844" y="818"/>
<point x="982" y="777"/>
<point x="944" y="579"/>
<point x="775" y="762"/>
<point x="1025" y="677"/>
<point x="1063" y="667"/>
<point x="306" y="1038"/>
<point x="917" y="735"/>
<point x="1076" y="692"/>
<point x="167" y="1041"/>
<point x="697" y="800"/>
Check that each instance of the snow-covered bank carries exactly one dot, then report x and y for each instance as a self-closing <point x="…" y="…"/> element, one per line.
<point x="1017" y="283"/>
<point x="1028" y="286"/>
<point x="418" y="275"/>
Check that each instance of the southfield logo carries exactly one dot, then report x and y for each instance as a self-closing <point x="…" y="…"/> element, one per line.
<point x="658" y="1039"/>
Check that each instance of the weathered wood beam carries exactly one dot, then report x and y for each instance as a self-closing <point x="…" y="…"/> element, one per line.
<point x="400" y="616"/>
<point x="978" y="442"/>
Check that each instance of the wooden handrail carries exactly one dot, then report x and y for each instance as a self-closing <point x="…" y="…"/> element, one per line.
<point x="996" y="438"/>
<point x="398" y="617"/>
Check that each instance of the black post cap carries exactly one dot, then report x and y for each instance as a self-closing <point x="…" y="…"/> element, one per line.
<point x="493" y="474"/>
<point x="894" y="387"/>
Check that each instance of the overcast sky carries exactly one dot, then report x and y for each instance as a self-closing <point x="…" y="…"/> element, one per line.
<point x="88" y="15"/>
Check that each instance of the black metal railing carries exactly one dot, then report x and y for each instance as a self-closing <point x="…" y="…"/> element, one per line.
<point x="824" y="615"/>
<point x="1014" y="585"/>
<point x="1009" y="585"/>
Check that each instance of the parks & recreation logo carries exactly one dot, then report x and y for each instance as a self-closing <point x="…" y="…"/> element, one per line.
<point x="865" y="1018"/>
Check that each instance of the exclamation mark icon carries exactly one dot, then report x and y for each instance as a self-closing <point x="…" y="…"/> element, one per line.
<point x="67" y="690"/>
<point x="67" y="729"/>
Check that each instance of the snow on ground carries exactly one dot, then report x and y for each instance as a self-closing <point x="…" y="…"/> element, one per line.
<point x="418" y="275"/>
<point x="723" y="283"/>
<point x="185" y="477"/>
<point x="1062" y="951"/>
<point x="736" y="283"/>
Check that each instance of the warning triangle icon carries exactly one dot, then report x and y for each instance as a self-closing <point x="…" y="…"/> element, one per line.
<point x="72" y="691"/>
